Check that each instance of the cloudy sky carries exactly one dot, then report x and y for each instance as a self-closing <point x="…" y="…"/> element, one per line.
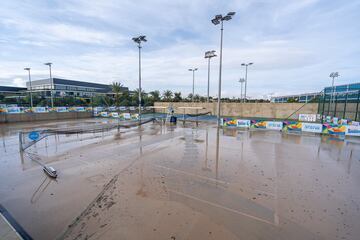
<point x="294" y="44"/>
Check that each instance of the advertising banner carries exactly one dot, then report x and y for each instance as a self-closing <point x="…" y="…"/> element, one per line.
<point x="135" y="116"/>
<point x="274" y="125"/>
<point x="88" y="109"/>
<point x="311" y="127"/>
<point x="352" y="130"/>
<point x="292" y="126"/>
<point x="104" y="114"/>
<point x="13" y="110"/>
<point x="3" y="110"/>
<point x="334" y="129"/>
<point x="80" y="109"/>
<point x="229" y="122"/>
<point x="307" y="117"/>
<point x="114" y="114"/>
<point x="39" y="109"/>
<point x="122" y="108"/>
<point x="258" y="124"/>
<point x="61" y="109"/>
<point x="125" y="116"/>
<point x="243" y="123"/>
<point x="132" y="108"/>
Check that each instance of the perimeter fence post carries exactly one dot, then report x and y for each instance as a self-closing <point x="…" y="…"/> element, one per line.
<point x="357" y="105"/>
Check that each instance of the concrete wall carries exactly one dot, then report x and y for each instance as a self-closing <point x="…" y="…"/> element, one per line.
<point x="249" y="110"/>
<point x="31" y="117"/>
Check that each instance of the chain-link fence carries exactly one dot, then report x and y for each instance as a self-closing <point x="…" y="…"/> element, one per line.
<point x="340" y="104"/>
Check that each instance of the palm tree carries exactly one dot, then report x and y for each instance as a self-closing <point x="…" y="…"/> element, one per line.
<point x="177" y="96"/>
<point x="116" y="88"/>
<point x="167" y="95"/>
<point x="155" y="95"/>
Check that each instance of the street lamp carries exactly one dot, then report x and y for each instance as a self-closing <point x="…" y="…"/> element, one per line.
<point x="51" y="84"/>
<point x="193" y="71"/>
<point x="209" y="55"/>
<point x="333" y="75"/>
<point x="246" y="69"/>
<point x="241" y="81"/>
<point x="31" y="99"/>
<point x="138" y="40"/>
<point x="219" y="19"/>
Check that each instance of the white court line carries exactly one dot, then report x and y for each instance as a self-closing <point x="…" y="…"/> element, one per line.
<point x="206" y="178"/>
<point x="223" y="207"/>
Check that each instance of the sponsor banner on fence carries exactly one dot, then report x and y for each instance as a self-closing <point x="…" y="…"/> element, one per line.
<point x="114" y="114"/>
<point x="122" y="108"/>
<point x="334" y="129"/>
<point x="39" y="109"/>
<point x="13" y="110"/>
<point x="274" y="125"/>
<point x="307" y="117"/>
<point x="311" y="127"/>
<point x="135" y="116"/>
<point x="352" y="130"/>
<point x="258" y="124"/>
<point x="292" y="126"/>
<point x="125" y="116"/>
<point x="61" y="109"/>
<point x="243" y="123"/>
<point x="104" y="114"/>
<point x="3" y="110"/>
<point x="229" y="122"/>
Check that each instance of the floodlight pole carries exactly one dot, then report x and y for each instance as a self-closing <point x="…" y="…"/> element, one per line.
<point x="193" y="85"/>
<point x="220" y="19"/>
<point x="246" y="71"/>
<point x="333" y="75"/>
<point x="220" y="70"/>
<point x="139" y="46"/>
<point x="209" y="55"/>
<point x="31" y="99"/>
<point x="51" y="85"/>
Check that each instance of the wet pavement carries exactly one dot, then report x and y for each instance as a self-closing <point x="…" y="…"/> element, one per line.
<point x="183" y="182"/>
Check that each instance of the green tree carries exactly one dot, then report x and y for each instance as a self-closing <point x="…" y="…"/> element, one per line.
<point x="167" y="95"/>
<point x="177" y="96"/>
<point x="116" y="88"/>
<point x="155" y="95"/>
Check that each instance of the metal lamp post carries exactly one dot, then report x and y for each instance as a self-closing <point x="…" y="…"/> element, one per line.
<point x="333" y="75"/>
<point x="246" y="70"/>
<point x="138" y="40"/>
<point x="31" y="99"/>
<point x="51" y="84"/>
<point x="219" y="19"/>
<point x="209" y="55"/>
<point x="193" y="87"/>
<point x="241" y="81"/>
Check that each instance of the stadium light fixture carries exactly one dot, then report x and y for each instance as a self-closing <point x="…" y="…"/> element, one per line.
<point x="219" y="19"/>
<point x="193" y="72"/>
<point x="51" y="84"/>
<point x="333" y="75"/>
<point x="209" y="55"/>
<point x="246" y="70"/>
<point x="138" y="40"/>
<point x="31" y="99"/>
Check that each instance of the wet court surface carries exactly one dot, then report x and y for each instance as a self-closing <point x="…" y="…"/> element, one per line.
<point x="189" y="182"/>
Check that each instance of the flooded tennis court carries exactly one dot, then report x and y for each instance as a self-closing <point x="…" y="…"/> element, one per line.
<point x="181" y="182"/>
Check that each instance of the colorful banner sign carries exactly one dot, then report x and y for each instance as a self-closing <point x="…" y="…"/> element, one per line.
<point x="292" y="126"/>
<point x="114" y="114"/>
<point x="311" y="127"/>
<point x="334" y="129"/>
<point x="258" y="124"/>
<point x="39" y="109"/>
<point x="243" y="123"/>
<point x="61" y="109"/>
<point x="272" y="125"/>
<point x="352" y="130"/>
<point x="104" y="114"/>
<point x="229" y="122"/>
<point x="13" y="110"/>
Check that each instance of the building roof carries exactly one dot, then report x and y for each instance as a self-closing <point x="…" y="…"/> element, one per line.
<point x="11" y="89"/>
<point x="101" y="87"/>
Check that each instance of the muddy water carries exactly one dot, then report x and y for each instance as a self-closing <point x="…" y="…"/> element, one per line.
<point x="162" y="182"/>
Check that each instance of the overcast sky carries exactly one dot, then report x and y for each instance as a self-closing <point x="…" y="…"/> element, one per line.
<point x="294" y="44"/>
